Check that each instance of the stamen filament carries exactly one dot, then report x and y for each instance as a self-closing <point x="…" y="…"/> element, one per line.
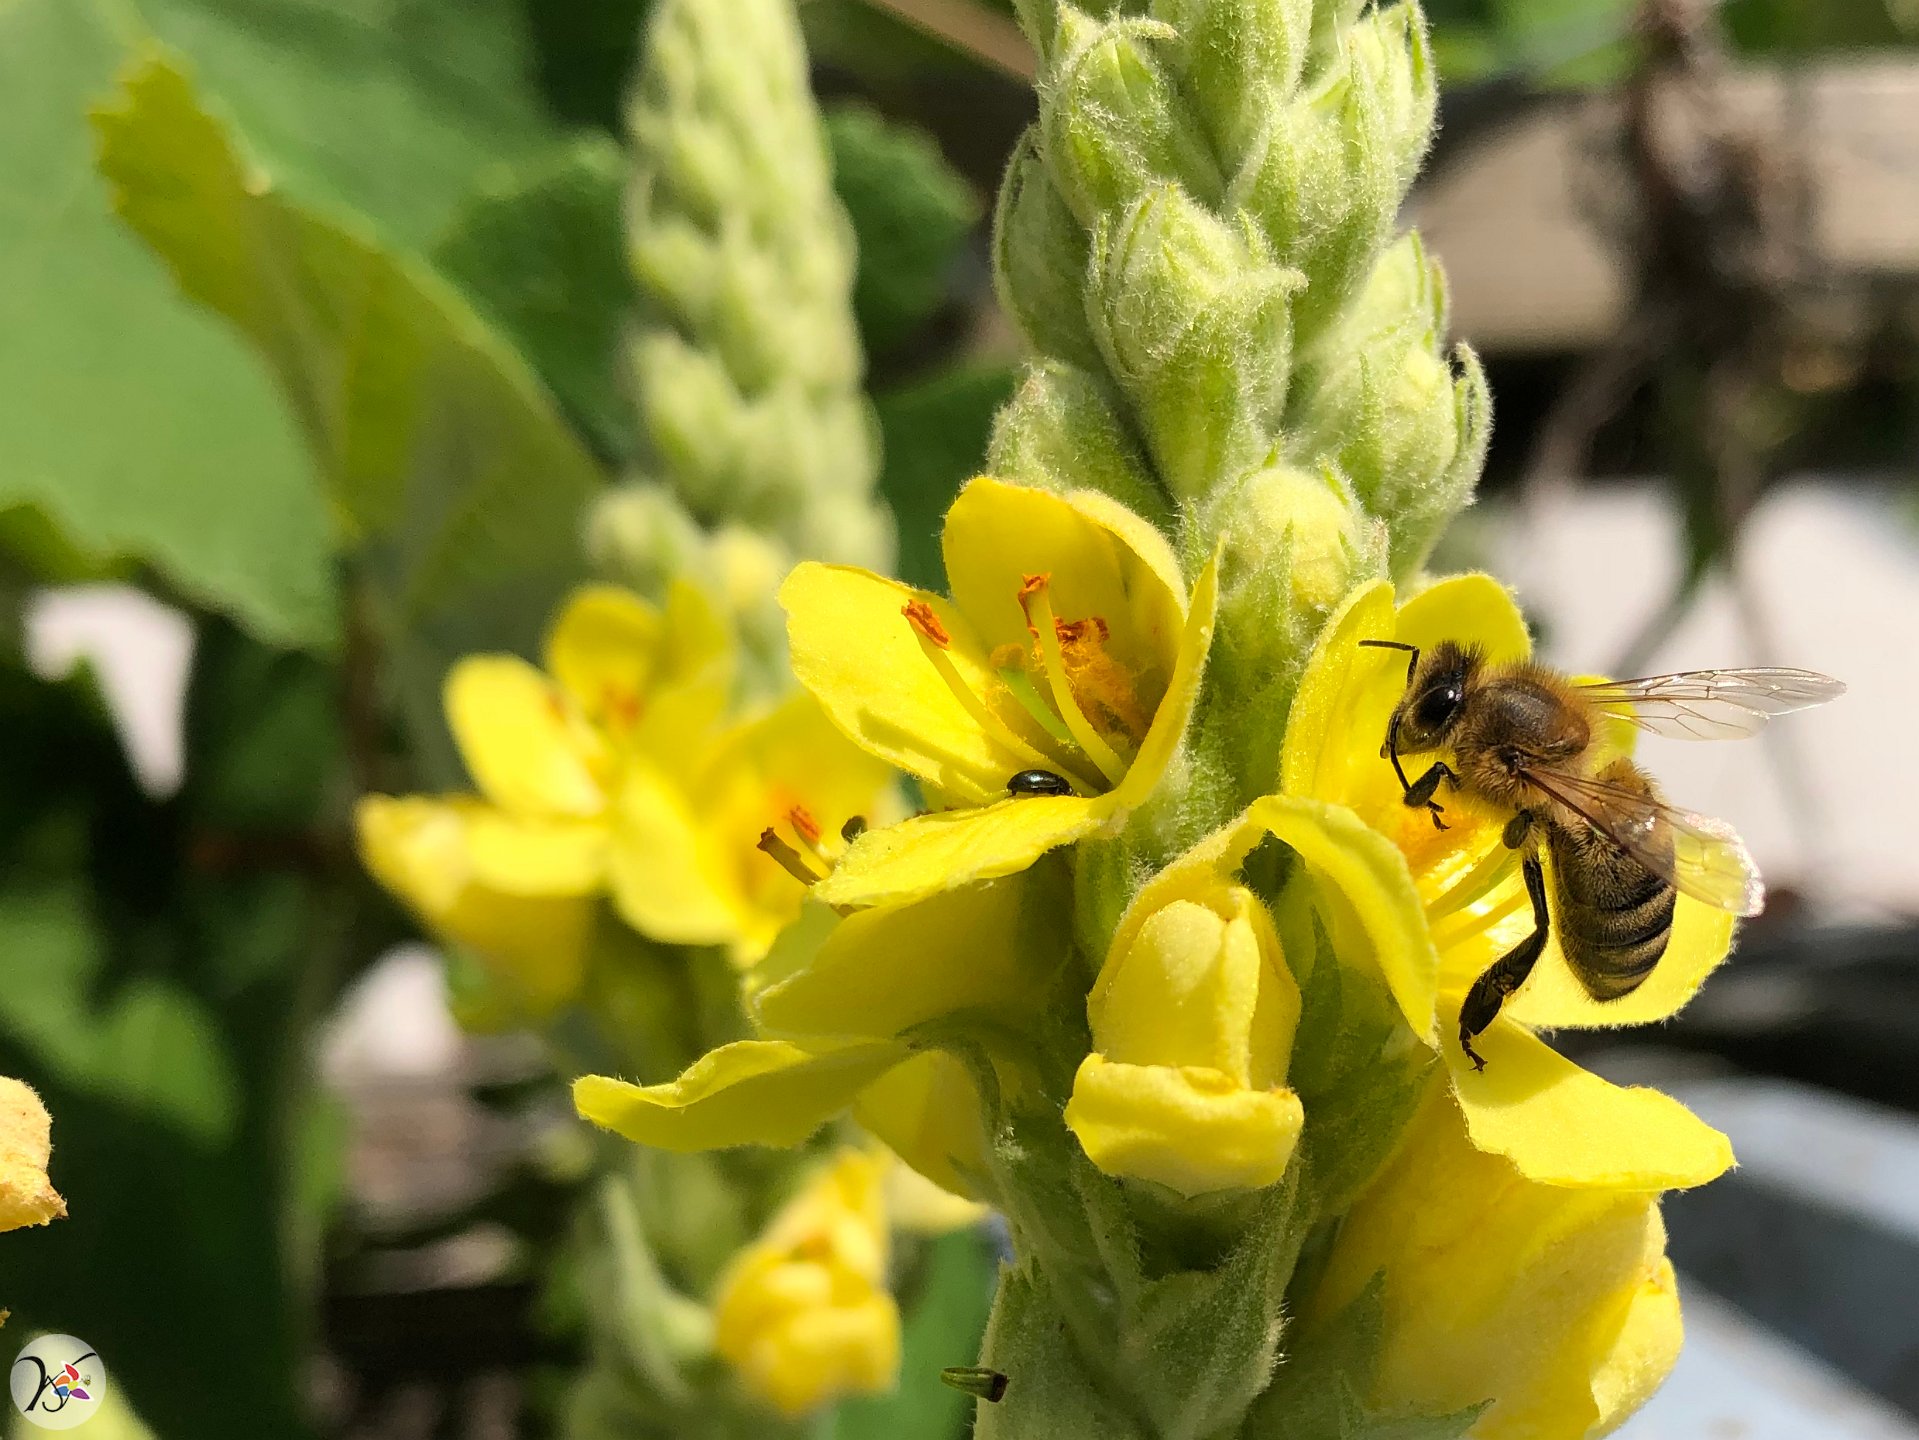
<point x="1033" y="598"/>
<point x="982" y="713"/>
<point x="790" y="860"/>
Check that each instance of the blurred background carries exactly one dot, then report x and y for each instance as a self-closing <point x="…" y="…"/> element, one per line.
<point x="1685" y="238"/>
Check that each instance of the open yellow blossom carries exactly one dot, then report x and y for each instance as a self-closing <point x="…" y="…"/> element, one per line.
<point x="27" y="1196"/>
<point x="1560" y="1124"/>
<point x="844" y="1002"/>
<point x="1069" y="645"/>
<point x="611" y="771"/>
<point x="1558" y="1306"/>
<point x="802" y="1314"/>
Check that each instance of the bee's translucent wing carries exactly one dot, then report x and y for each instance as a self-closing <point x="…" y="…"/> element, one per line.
<point x="1712" y="704"/>
<point x="1699" y="856"/>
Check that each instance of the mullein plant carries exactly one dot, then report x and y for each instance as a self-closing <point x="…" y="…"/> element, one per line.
<point x="1181" y="1007"/>
<point x="612" y="874"/>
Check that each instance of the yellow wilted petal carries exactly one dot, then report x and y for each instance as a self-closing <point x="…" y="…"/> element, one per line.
<point x="752" y="1092"/>
<point x="1554" y="998"/>
<point x="667" y="879"/>
<point x="531" y="855"/>
<point x="1103" y="559"/>
<point x="1561" y="1125"/>
<point x="855" y="651"/>
<point x="27" y="1196"/>
<point x="419" y="849"/>
<point x="525" y="751"/>
<point x="1190" y="1128"/>
<point x="878" y="973"/>
<point x="930" y="853"/>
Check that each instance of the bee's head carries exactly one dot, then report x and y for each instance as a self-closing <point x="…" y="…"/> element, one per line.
<point x="1435" y="696"/>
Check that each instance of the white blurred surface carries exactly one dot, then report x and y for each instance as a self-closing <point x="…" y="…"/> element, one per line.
<point x="1834" y="572"/>
<point x="1735" y="1381"/>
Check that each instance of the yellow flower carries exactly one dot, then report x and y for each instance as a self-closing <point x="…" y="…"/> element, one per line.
<point x="27" y="1196"/>
<point x="1560" y="1124"/>
<point x="611" y="772"/>
<point x="1070" y="645"/>
<point x="1193" y="1019"/>
<point x="419" y="849"/>
<point x="1194" y="1013"/>
<point x="802" y="1314"/>
<point x="1556" y="1305"/>
<point x="842" y="1000"/>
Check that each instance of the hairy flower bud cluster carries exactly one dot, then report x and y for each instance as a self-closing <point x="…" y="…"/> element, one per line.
<point x="746" y="362"/>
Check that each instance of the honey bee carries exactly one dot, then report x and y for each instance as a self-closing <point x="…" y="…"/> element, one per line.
<point x="1522" y="738"/>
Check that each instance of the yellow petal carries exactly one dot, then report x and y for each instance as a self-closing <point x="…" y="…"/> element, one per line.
<point x="1103" y="559"/>
<point x="1554" y="998"/>
<point x="1321" y="739"/>
<point x="930" y="853"/>
<point x="927" y="1112"/>
<point x="1536" y="1322"/>
<point x="878" y="973"/>
<point x="526" y="751"/>
<point x="1176" y="705"/>
<point x="790" y="758"/>
<point x="1561" y="1125"/>
<point x="854" y="650"/>
<point x="1366" y="894"/>
<point x="531" y="855"/>
<point x="27" y="1197"/>
<point x="418" y="848"/>
<point x="694" y="680"/>
<point x="604" y="648"/>
<point x="1644" y="1353"/>
<point x="668" y="879"/>
<point x="752" y="1092"/>
<point x="1192" y="1129"/>
<point x="1469" y="609"/>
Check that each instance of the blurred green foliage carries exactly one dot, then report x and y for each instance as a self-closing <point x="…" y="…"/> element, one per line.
<point x="316" y="331"/>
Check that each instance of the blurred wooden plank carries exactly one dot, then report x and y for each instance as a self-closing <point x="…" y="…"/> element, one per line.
<point x="1522" y="220"/>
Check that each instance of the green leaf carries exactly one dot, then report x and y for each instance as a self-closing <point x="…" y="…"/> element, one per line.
<point x="149" y="1048"/>
<point x="911" y="214"/>
<point x="443" y="452"/>
<point x="934" y="435"/>
<point x="541" y="250"/>
<point x="391" y="108"/>
<point x="133" y="426"/>
<point x="942" y="1328"/>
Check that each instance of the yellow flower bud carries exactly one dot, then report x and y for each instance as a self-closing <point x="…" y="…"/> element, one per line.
<point x="1310" y="522"/>
<point x="1193" y="1021"/>
<point x="1556" y="1305"/>
<point x="803" y="1314"/>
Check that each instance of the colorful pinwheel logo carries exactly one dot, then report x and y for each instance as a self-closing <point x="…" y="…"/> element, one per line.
<point x="57" y="1382"/>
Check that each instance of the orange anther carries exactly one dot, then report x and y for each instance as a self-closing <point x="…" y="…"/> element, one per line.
<point x="1031" y="585"/>
<point x="803" y="821"/>
<point x="920" y="616"/>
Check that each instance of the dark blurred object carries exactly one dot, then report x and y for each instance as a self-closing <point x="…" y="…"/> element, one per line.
<point x="1832" y="1007"/>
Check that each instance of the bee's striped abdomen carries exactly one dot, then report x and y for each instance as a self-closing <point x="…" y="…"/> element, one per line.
<point x="1614" y="915"/>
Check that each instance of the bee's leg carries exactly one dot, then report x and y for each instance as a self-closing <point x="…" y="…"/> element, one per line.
<point x="1421" y="791"/>
<point x="1509" y="972"/>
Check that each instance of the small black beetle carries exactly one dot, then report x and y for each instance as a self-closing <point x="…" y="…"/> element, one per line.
<point x="1039" y="782"/>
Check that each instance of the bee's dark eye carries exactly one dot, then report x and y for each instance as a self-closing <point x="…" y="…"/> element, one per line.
<point x="1437" y="707"/>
